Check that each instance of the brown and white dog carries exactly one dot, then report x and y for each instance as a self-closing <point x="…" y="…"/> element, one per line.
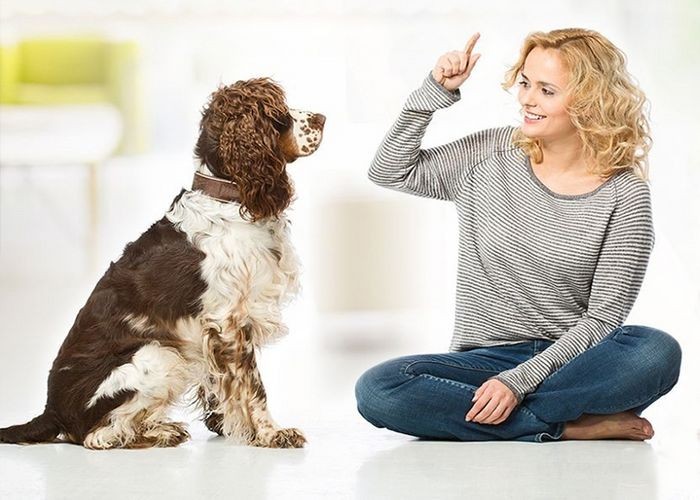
<point x="184" y="309"/>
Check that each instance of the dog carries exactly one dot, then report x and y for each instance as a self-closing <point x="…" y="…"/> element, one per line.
<point x="188" y="304"/>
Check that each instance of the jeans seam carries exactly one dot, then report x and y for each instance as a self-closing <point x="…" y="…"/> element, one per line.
<point x="447" y="381"/>
<point x="405" y="368"/>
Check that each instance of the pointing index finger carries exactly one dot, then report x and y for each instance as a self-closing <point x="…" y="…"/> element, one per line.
<point x="470" y="44"/>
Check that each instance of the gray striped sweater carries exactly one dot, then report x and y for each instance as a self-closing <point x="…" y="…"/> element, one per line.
<point x="533" y="264"/>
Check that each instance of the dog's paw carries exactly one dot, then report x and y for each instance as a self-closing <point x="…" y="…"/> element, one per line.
<point x="283" y="438"/>
<point x="214" y="422"/>
<point x="160" y="434"/>
<point x="167" y="434"/>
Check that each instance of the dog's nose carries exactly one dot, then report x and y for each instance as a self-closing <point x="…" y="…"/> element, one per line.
<point x="317" y="120"/>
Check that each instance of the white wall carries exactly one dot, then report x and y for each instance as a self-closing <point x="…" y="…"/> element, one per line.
<point x="356" y="62"/>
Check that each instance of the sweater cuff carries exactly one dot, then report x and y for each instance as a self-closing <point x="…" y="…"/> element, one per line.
<point x="519" y="394"/>
<point x="432" y="96"/>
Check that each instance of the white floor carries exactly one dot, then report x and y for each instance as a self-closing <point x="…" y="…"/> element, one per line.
<point x="309" y="377"/>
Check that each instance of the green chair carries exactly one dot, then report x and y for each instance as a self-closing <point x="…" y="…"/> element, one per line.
<point x="77" y="70"/>
<point x="71" y="100"/>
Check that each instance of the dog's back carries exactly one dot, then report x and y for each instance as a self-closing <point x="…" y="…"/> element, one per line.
<point x="158" y="277"/>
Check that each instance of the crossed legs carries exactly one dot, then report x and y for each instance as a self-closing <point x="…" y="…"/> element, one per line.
<point x="429" y="395"/>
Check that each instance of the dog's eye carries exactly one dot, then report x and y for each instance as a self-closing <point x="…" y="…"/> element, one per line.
<point x="282" y="123"/>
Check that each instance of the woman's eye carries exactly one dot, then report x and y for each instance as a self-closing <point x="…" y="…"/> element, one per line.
<point x="545" y="91"/>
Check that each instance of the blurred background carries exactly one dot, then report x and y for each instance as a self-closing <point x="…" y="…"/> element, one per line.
<point x="99" y="109"/>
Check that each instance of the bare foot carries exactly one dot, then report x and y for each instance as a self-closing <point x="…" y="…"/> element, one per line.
<point x="624" y="425"/>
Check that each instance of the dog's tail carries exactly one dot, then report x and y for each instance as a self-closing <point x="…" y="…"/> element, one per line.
<point x="43" y="429"/>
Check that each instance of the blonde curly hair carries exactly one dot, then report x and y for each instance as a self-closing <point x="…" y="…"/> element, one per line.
<point x="606" y="106"/>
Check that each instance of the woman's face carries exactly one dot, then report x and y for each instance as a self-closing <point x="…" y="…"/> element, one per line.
<point x="542" y="82"/>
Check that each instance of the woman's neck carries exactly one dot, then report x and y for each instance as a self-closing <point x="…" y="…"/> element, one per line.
<point x="564" y="155"/>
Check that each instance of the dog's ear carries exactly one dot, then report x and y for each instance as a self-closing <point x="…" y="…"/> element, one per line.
<point x="251" y="157"/>
<point x="206" y="149"/>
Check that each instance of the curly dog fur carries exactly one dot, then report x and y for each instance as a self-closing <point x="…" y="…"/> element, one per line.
<point x="183" y="311"/>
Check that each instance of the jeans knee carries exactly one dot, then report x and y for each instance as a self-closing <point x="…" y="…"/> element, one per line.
<point x="364" y="389"/>
<point x="659" y="351"/>
<point x="368" y="394"/>
<point x="372" y="387"/>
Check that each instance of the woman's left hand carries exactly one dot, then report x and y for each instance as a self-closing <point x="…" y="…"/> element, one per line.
<point x="493" y="403"/>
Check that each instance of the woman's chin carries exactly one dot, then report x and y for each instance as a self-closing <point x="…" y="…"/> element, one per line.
<point x="528" y="132"/>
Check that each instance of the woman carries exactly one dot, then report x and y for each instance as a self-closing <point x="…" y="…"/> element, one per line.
<point x="555" y="230"/>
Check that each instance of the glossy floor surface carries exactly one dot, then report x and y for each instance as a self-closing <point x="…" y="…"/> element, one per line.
<point x="309" y="377"/>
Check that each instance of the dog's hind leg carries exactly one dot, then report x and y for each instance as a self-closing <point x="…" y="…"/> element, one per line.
<point x="158" y="376"/>
<point x="132" y="426"/>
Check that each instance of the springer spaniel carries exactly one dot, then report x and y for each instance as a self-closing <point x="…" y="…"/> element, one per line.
<point x="184" y="309"/>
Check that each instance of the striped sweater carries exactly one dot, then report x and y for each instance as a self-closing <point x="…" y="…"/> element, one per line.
<point x="533" y="264"/>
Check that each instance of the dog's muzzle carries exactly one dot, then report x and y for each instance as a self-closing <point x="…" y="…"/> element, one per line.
<point x="308" y="130"/>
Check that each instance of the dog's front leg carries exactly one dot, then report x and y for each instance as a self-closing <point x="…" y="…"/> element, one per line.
<point x="253" y="397"/>
<point x="243" y="401"/>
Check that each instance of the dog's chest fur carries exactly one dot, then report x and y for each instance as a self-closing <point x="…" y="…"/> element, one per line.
<point x="250" y="269"/>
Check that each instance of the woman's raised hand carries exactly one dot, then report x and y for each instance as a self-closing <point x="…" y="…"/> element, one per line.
<point x="454" y="67"/>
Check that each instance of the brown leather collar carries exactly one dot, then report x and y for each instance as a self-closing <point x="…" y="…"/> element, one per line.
<point x="219" y="189"/>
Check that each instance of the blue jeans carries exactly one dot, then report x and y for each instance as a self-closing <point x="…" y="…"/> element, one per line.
<point x="428" y="395"/>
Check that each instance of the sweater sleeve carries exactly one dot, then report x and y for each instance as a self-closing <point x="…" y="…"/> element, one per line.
<point x="400" y="164"/>
<point x="622" y="264"/>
